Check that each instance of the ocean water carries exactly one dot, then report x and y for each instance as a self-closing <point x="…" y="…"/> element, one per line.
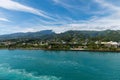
<point x="59" y="65"/>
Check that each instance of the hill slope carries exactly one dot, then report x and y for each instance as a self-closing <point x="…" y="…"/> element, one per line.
<point x="107" y="35"/>
<point x="28" y="35"/>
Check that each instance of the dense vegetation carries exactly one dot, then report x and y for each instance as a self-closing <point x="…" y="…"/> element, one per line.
<point x="49" y="39"/>
<point x="107" y="35"/>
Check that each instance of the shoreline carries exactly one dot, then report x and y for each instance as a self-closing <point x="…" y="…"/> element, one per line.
<point x="59" y="50"/>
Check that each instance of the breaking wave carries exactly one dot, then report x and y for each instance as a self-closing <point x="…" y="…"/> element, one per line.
<point x="7" y="73"/>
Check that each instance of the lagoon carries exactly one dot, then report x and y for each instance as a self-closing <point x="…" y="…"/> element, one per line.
<point x="59" y="65"/>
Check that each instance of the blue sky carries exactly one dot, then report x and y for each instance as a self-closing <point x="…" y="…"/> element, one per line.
<point x="58" y="15"/>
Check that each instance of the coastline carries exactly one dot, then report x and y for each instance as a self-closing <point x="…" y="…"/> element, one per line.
<point x="60" y="49"/>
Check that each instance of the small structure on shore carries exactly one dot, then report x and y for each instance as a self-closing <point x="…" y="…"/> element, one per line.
<point x="111" y="44"/>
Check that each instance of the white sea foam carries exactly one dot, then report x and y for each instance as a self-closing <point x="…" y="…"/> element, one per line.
<point x="16" y="74"/>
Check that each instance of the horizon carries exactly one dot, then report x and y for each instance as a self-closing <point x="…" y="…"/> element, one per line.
<point x="56" y="32"/>
<point x="58" y="15"/>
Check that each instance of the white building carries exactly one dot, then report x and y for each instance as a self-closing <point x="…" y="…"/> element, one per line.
<point x="110" y="44"/>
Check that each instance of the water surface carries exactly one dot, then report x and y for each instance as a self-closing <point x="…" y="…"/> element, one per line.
<point x="58" y="65"/>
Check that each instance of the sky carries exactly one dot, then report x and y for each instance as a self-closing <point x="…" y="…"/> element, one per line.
<point x="58" y="15"/>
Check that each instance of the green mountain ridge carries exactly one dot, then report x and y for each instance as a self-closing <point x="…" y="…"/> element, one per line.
<point x="73" y="35"/>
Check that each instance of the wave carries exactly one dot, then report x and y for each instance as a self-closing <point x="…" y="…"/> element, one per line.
<point x="7" y="73"/>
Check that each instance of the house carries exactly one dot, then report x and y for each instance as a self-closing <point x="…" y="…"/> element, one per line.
<point x="110" y="44"/>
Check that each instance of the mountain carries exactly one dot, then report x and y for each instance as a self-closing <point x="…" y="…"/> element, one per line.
<point x="28" y="35"/>
<point x="107" y="35"/>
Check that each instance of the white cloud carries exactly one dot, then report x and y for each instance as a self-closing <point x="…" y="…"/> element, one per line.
<point x="12" y="5"/>
<point x="110" y="21"/>
<point x="4" y="19"/>
<point x="108" y="5"/>
<point x="66" y="5"/>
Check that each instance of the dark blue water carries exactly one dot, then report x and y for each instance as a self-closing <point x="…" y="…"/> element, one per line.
<point x="58" y="65"/>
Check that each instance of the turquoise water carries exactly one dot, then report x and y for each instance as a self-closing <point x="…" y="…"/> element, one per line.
<point x="58" y="65"/>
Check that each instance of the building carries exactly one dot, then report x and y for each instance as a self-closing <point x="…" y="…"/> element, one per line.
<point x="111" y="44"/>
